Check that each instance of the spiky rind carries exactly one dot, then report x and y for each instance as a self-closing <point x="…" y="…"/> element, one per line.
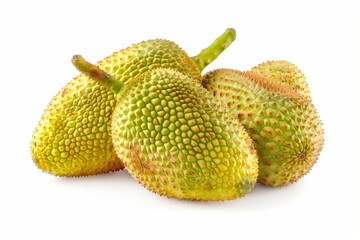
<point x="284" y="72"/>
<point x="287" y="133"/>
<point x="147" y="55"/>
<point x="177" y="142"/>
<point x="73" y="137"/>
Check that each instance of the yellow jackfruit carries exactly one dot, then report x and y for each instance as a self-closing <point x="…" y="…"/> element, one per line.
<point x="73" y="137"/>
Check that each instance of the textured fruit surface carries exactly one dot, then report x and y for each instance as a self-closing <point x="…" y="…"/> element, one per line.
<point x="177" y="141"/>
<point x="284" y="126"/>
<point x="73" y="136"/>
<point x="284" y="72"/>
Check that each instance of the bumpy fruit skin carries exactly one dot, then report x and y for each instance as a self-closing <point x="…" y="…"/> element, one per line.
<point x="284" y="72"/>
<point x="284" y="126"/>
<point x="177" y="141"/>
<point x="73" y="136"/>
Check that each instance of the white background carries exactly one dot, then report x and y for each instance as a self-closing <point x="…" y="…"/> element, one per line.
<point x="37" y="41"/>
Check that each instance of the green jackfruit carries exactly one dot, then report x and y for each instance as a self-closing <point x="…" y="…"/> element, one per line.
<point x="175" y="139"/>
<point x="278" y="115"/>
<point x="73" y="136"/>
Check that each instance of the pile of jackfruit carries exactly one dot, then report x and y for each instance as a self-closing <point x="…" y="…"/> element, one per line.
<point x="181" y="134"/>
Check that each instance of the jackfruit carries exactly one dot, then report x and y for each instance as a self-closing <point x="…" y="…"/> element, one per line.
<point x="286" y="73"/>
<point x="279" y="117"/>
<point x="73" y="136"/>
<point x="175" y="139"/>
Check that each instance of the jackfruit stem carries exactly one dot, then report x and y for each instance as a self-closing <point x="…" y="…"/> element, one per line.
<point x="96" y="74"/>
<point x="209" y="54"/>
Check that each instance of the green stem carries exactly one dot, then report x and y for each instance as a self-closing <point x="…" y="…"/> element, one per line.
<point x="209" y="54"/>
<point x="96" y="74"/>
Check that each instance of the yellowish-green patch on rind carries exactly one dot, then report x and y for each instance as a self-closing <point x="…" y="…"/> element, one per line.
<point x="284" y="72"/>
<point x="73" y="137"/>
<point x="142" y="57"/>
<point x="177" y="141"/>
<point x="285" y="128"/>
